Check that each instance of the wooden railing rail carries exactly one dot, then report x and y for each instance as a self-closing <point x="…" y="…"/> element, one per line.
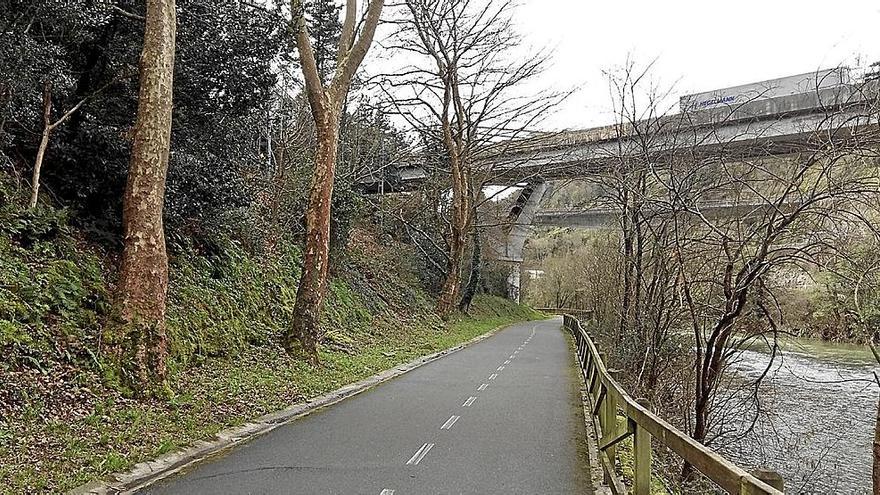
<point x="580" y="313"/>
<point x="608" y="398"/>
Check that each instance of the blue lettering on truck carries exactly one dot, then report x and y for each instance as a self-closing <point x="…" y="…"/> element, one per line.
<point x="717" y="101"/>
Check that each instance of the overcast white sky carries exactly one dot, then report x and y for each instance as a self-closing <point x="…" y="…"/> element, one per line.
<point x="699" y="46"/>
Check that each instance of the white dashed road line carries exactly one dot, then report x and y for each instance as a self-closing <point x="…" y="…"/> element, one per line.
<point x="449" y="422"/>
<point x="425" y="448"/>
<point x="386" y="492"/>
<point x="420" y="454"/>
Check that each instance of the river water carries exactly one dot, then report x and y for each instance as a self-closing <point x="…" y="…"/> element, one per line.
<point x="818" y="425"/>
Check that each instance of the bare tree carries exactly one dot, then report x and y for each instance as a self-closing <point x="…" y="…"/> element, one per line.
<point x="463" y="95"/>
<point x="326" y="103"/>
<point x="781" y="201"/>
<point x="143" y="279"/>
<point x="713" y="219"/>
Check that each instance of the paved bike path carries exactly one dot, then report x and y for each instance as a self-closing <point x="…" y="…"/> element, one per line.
<point x="501" y="416"/>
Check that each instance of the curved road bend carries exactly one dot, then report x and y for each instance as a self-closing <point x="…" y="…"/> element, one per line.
<point x="501" y="416"/>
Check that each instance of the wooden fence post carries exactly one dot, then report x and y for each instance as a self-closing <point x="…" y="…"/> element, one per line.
<point x="588" y="358"/>
<point x="642" y="457"/>
<point x="611" y="418"/>
<point x="598" y="380"/>
<point x="770" y="477"/>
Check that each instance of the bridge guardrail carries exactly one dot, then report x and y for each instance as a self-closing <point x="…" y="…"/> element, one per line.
<point x="607" y="397"/>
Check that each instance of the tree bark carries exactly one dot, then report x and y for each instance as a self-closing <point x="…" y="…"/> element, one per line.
<point x="457" y="246"/>
<point x="701" y="412"/>
<point x="44" y="144"/>
<point x="461" y="209"/>
<point x="326" y="105"/>
<point x="143" y="280"/>
<point x="476" y="276"/>
<point x="313" y="283"/>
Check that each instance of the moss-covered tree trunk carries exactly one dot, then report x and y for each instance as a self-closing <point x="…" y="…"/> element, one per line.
<point x="143" y="279"/>
<point x="476" y="273"/>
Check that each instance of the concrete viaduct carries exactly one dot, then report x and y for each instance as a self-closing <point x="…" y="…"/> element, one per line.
<point x="775" y="126"/>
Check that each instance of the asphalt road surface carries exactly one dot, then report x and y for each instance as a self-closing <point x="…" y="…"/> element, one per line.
<point x="501" y="416"/>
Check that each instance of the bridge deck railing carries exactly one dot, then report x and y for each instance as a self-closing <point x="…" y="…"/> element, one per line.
<point x="607" y="398"/>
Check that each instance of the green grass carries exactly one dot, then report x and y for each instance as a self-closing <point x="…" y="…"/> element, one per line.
<point x="626" y="462"/>
<point x="64" y="417"/>
<point x="222" y="392"/>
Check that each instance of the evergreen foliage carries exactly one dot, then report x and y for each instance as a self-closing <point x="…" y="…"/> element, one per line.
<point x="324" y="28"/>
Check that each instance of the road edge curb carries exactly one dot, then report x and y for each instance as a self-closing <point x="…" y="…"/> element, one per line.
<point x="144" y="474"/>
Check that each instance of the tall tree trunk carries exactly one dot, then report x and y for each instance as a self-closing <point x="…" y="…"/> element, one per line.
<point x="143" y="280"/>
<point x="476" y="276"/>
<point x="708" y="366"/>
<point x="701" y="414"/>
<point x="313" y="283"/>
<point x="460" y="220"/>
<point x="446" y="302"/>
<point x="44" y="144"/>
<point x="326" y="104"/>
<point x="623" y="325"/>
<point x="452" y="283"/>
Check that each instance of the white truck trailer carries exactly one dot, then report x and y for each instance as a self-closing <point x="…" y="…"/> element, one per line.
<point x="783" y="86"/>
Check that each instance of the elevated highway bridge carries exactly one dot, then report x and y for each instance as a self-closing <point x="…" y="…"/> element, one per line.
<point x="762" y="127"/>
<point x="776" y="126"/>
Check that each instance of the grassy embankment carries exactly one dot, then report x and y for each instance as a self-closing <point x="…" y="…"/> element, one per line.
<point x="64" y="420"/>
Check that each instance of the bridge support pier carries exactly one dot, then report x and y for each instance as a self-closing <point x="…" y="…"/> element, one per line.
<point x="510" y="248"/>
<point x="514" y="281"/>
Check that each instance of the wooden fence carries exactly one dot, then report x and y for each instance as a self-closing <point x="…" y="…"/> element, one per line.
<point x="608" y="399"/>
<point x="581" y="314"/>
